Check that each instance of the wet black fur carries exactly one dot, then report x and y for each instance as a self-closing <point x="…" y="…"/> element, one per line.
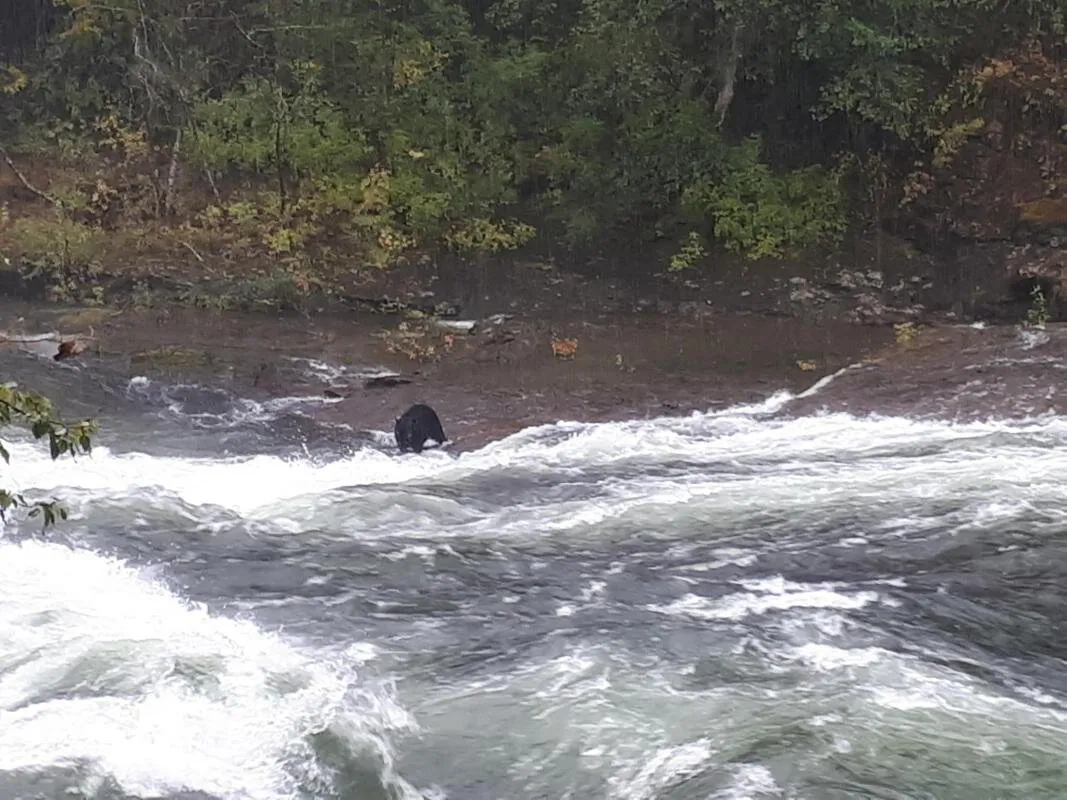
<point x="415" y="426"/>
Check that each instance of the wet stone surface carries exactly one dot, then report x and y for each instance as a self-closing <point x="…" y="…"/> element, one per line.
<point x="503" y="376"/>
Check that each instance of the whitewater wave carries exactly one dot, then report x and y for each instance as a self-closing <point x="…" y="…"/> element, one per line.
<point x="578" y="478"/>
<point x="603" y="609"/>
<point x="104" y="669"/>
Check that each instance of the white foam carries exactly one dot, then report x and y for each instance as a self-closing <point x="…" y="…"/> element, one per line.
<point x="827" y="658"/>
<point x="751" y="782"/>
<point x="773" y="594"/>
<point x="329" y="373"/>
<point x="826" y="380"/>
<point x="736" y="463"/>
<point x="886" y="682"/>
<point x="661" y="768"/>
<point x="99" y="664"/>
<point x="237" y="410"/>
<point x="178" y="698"/>
<point x="241" y="484"/>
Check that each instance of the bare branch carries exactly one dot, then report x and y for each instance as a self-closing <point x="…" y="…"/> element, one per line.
<point x="25" y="181"/>
<point x="192" y="250"/>
<point x="245" y="33"/>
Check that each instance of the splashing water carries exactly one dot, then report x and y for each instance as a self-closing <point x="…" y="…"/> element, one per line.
<point x="727" y="605"/>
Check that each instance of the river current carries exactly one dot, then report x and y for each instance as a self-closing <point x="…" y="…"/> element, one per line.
<point x="733" y="604"/>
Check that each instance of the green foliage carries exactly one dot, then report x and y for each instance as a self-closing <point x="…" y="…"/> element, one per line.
<point x="760" y="213"/>
<point x="12" y="79"/>
<point x="951" y="139"/>
<point x="479" y="235"/>
<point x="690" y="252"/>
<point x="1038" y="314"/>
<point x="905" y="333"/>
<point x="279" y="290"/>
<point x="36" y="413"/>
<point x="382" y="128"/>
<point x="260" y="126"/>
<point x="55" y="243"/>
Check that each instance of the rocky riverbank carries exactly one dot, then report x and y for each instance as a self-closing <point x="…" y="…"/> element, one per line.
<point x="564" y="361"/>
<point x="962" y="373"/>
<point x="504" y="343"/>
<point x="502" y="375"/>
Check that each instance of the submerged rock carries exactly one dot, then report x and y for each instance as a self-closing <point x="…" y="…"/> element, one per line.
<point x="385" y="381"/>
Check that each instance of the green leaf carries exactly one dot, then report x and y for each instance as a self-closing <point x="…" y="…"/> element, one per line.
<point x="35" y="412"/>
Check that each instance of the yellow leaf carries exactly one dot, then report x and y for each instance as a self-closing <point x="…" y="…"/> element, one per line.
<point x="12" y="79"/>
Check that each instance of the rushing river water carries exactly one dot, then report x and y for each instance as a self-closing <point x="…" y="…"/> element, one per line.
<point x="728" y="605"/>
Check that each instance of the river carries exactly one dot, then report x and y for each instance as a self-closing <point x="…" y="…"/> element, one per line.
<point x="743" y="603"/>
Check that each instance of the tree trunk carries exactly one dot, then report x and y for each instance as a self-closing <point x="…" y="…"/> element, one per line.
<point x="728" y="75"/>
<point x="279" y="160"/>
<point x="172" y="174"/>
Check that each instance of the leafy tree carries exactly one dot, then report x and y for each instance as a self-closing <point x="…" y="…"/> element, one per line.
<point x="36" y="413"/>
<point x="378" y="127"/>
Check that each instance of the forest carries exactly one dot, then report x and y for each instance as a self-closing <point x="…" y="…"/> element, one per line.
<point x="315" y="132"/>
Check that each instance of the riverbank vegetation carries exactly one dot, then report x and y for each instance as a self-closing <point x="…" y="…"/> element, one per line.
<point x="36" y="413"/>
<point x="319" y="136"/>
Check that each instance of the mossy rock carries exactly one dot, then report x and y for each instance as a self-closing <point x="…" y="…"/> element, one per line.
<point x="1047" y="211"/>
<point x="1045" y="220"/>
<point x="172" y="358"/>
<point x="87" y="318"/>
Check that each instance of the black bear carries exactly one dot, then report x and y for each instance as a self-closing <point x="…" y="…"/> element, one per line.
<point x="415" y="426"/>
